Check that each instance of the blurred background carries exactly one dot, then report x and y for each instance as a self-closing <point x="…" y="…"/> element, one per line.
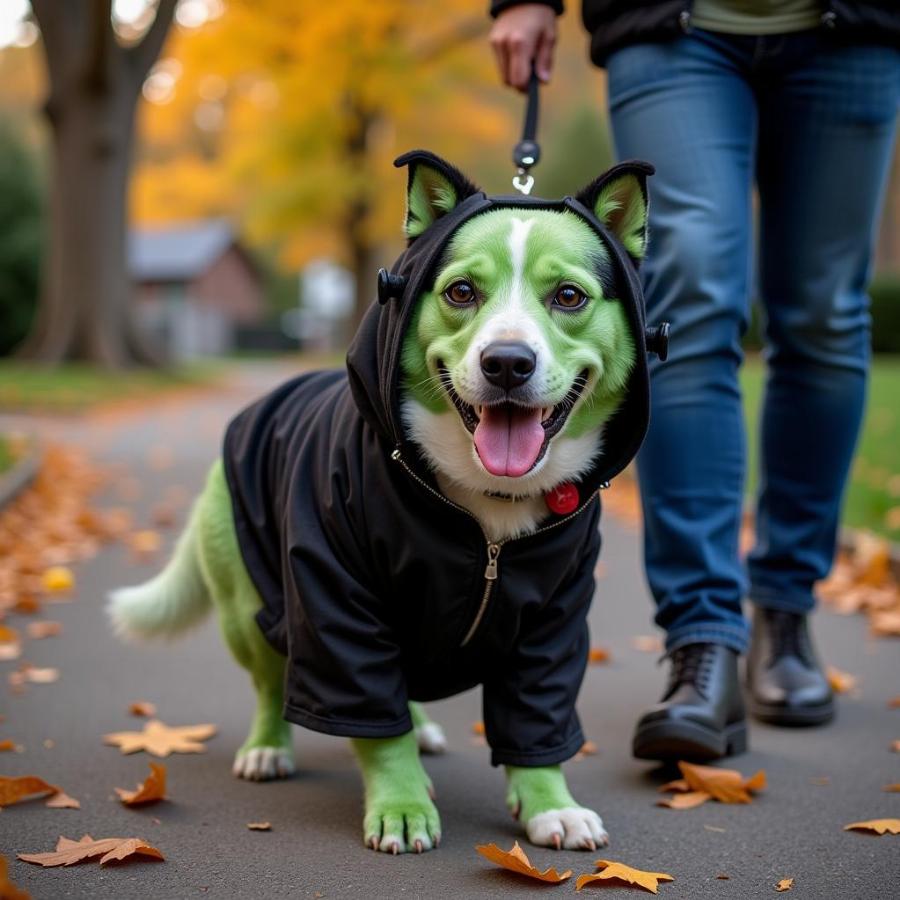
<point x="188" y="183"/>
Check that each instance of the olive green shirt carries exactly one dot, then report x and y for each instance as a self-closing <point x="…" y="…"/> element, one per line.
<point x="756" y="16"/>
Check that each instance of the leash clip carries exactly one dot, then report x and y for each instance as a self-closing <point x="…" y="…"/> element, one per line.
<point x="523" y="182"/>
<point x="527" y="152"/>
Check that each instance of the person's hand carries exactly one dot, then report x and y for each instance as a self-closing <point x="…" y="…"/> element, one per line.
<point x="522" y="34"/>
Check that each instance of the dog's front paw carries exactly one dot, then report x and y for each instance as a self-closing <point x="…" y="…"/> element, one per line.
<point x="410" y="827"/>
<point x="571" y="828"/>
<point x="263" y="763"/>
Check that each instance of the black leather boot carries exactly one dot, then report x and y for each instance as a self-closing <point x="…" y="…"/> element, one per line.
<point x="786" y="683"/>
<point x="701" y="714"/>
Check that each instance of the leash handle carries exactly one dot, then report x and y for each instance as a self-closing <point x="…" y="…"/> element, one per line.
<point x="527" y="152"/>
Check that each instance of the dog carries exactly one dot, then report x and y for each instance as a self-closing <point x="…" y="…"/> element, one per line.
<point x="427" y="520"/>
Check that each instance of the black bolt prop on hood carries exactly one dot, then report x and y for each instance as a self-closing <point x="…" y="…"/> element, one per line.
<point x="373" y="360"/>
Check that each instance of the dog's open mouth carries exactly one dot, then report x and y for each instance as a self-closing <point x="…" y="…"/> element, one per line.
<point x="511" y="439"/>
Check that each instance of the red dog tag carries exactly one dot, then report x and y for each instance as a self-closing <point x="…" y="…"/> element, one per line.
<point x="563" y="499"/>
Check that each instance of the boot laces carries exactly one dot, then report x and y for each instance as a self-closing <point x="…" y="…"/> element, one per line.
<point x="691" y="664"/>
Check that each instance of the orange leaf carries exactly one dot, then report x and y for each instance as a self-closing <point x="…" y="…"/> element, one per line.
<point x="616" y="871"/>
<point x="142" y="708"/>
<point x="885" y="623"/>
<point x="57" y="580"/>
<point x="13" y="790"/>
<point x="478" y="728"/>
<point x="69" y="852"/>
<point x="8" y="635"/>
<point x="61" y="800"/>
<point x="44" y="629"/>
<point x="894" y="703"/>
<point x="160" y="739"/>
<point x="145" y="543"/>
<point x="259" y="826"/>
<point x="153" y="788"/>
<point x="841" y="682"/>
<point x="895" y="746"/>
<point x="686" y="801"/>
<point x="784" y="885"/>
<point x="647" y="643"/>
<point x="8" y="891"/>
<point x="892" y="788"/>
<point x="879" y="826"/>
<point x="598" y="655"/>
<point x="725" y="785"/>
<point x="516" y="861"/>
<point x="5" y="746"/>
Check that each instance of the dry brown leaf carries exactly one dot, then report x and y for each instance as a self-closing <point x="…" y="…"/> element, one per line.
<point x="894" y="703"/>
<point x="14" y="790"/>
<point x="8" y="635"/>
<point x="885" y="623"/>
<point x="150" y="790"/>
<point x="259" y="826"/>
<point x="879" y="826"/>
<point x="6" y="745"/>
<point x="478" y="728"/>
<point x="57" y="580"/>
<point x="841" y="682"/>
<point x="516" y="861"/>
<point x="598" y="655"/>
<point x="647" y="643"/>
<point x="142" y="708"/>
<point x="619" y="872"/>
<point x="895" y="746"/>
<point x="8" y="891"/>
<point x="69" y="852"/>
<point x="144" y="544"/>
<point x="61" y="800"/>
<point x="589" y="748"/>
<point x="686" y="800"/>
<point x="160" y="739"/>
<point x="892" y="788"/>
<point x="725" y="785"/>
<point x="723" y="877"/>
<point x="784" y="885"/>
<point x="43" y="629"/>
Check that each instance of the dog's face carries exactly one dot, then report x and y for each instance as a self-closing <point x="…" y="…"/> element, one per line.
<point x="518" y="354"/>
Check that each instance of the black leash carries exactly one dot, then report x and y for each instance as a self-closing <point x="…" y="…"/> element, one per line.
<point x="527" y="152"/>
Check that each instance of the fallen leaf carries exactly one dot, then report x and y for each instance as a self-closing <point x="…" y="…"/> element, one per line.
<point x="885" y="623"/>
<point x="725" y="785"/>
<point x="14" y="790"/>
<point x="8" y="635"/>
<point x="41" y="676"/>
<point x="259" y="826"/>
<point x="784" y="885"/>
<point x="142" y="708"/>
<point x="598" y="655"/>
<point x="10" y="646"/>
<point x="6" y="745"/>
<point x="879" y="826"/>
<point x="43" y="629"/>
<point x="516" y="861"/>
<point x="894" y="703"/>
<point x="647" y="643"/>
<point x="145" y="543"/>
<point x="617" y="871"/>
<point x="892" y="788"/>
<point x="841" y="682"/>
<point x="61" y="800"/>
<point x="686" y="801"/>
<point x="823" y="780"/>
<point x="69" y="852"/>
<point x="895" y="746"/>
<point x="723" y="877"/>
<point x="588" y="748"/>
<point x="160" y="739"/>
<point x="8" y="891"/>
<point x="478" y="728"/>
<point x="150" y="790"/>
<point x="57" y="580"/>
<point x="715" y="828"/>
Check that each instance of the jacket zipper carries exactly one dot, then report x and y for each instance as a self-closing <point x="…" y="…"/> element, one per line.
<point x="492" y="569"/>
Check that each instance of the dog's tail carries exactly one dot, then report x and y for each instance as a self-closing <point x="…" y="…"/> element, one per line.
<point x="173" y="601"/>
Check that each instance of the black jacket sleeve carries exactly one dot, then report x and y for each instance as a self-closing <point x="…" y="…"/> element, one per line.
<point x="529" y="699"/>
<point x="497" y="6"/>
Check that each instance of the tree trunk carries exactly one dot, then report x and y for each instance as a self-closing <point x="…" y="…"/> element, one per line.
<point x="85" y="312"/>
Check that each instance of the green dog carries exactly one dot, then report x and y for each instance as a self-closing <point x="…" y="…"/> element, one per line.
<point x="427" y="520"/>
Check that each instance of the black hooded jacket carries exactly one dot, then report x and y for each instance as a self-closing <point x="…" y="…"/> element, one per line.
<point x="377" y="588"/>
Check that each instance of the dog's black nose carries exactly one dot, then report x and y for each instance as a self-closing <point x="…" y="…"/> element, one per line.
<point x="508" y="364"/>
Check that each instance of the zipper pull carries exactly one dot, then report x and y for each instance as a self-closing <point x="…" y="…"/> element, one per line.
<point x="395" y="456"/>
<point x="490" y="572"/>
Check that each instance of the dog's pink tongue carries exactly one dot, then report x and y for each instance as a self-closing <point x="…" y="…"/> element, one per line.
<point x="508" y="439"/>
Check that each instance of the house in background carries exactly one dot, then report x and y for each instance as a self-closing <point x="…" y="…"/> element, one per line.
<point x="195" y="287"/>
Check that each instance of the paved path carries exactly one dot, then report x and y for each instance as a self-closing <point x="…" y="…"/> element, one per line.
<point x="794" y="829"/>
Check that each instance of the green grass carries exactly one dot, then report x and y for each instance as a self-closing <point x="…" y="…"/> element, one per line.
<point x="73" y="388"/>
<point x="874" y="488"/>
<point x="6" y="455"/>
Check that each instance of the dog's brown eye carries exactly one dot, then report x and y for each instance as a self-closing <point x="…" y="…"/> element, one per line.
<point x="460" y="293"/>
<point x="568" y="297"/>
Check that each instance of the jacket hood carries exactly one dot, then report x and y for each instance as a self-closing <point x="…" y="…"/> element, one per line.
<point x="373" y="360"/>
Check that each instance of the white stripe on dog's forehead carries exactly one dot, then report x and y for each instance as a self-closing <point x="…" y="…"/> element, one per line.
<point x="518" y="238"/>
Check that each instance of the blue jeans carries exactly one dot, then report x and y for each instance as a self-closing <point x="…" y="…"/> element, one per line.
<point x="812" y="123"/>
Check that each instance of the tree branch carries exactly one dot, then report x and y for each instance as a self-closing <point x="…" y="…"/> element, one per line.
<point x="144" y="54"/>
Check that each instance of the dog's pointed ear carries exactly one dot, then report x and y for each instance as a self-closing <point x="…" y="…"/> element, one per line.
<point x="434" y="188"/>
<point x="618" y="198"/>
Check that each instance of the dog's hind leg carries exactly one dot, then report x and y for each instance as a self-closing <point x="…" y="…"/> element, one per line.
<point x="429" y="734"/>
<point x="268" y="752"/>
